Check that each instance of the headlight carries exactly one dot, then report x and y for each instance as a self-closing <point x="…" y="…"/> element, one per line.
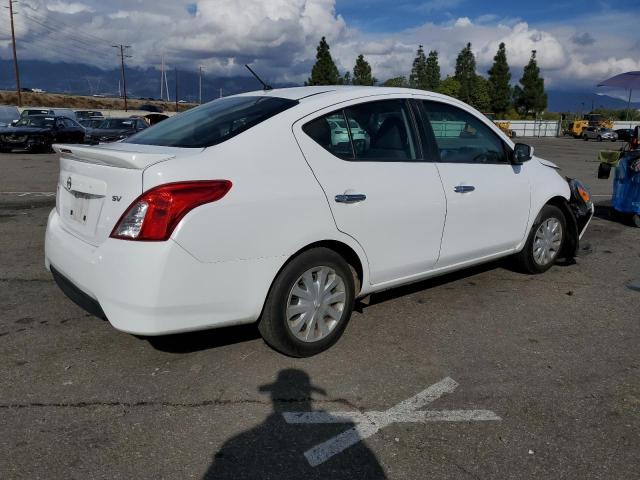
<point x="579" y="191"/>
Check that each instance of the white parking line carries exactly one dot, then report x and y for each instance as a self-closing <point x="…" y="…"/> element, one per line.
<point x="369" y="423"/>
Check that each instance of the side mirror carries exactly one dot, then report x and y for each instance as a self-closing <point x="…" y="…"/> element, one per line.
<point x="521" y="153"/>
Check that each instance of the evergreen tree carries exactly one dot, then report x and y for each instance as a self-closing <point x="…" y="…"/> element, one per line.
<point x="499" y="86"/>
<point x="466" y="73"/>
<point x="396" y="82"/>
<point x="449" y="86"/>
<point x="531" y="97"/>
<point x="418" y="77"/>
<point x="480" y="96"/>
<point x="324" y="72"/>
<point x="346" y="79"/>
<point x="362" y="72"/>
<point x="432" y="71"/>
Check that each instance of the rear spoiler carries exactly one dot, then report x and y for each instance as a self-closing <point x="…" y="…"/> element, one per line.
<point x="110" y="157"/>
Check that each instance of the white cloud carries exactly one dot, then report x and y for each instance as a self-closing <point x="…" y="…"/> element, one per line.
<point x="280" y="37"/>
<point x="462" y="22"/>
<point x="69" y="8"/>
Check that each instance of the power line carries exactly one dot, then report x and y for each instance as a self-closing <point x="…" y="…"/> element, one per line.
<point x="74" y="28"/>
<point x="77" y="43"/>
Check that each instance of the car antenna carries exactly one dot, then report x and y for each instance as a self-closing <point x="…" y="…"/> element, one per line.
<point x="264" y="85"/>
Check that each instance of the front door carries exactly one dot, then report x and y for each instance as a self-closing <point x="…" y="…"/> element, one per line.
<point x="488" y="198"/>
<point x="369" y="162"/>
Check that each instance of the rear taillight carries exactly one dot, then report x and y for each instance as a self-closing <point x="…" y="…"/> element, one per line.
<point x="155" y="214"/>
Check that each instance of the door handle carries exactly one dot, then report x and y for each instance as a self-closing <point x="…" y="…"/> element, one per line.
<point x="350" y="198"/>
<point x="464" y="188"/>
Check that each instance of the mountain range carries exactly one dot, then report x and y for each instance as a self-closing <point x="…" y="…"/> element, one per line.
<point x="84" y="79"/>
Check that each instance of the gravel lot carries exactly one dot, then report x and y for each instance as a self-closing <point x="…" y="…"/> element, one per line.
<point x="555" y="357"/>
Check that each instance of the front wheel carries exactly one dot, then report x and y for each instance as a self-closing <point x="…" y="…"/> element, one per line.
<point x="599" y="138"/>
<point x="309" y="305"/>
<point x="585" y="138"/>
<point x="545" y="241"/>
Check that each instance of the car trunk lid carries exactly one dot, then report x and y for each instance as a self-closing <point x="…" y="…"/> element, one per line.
<point x="97" y="184"/>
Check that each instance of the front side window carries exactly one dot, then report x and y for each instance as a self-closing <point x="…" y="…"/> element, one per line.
<point x="461" y="137"/>
<point x="373" y="131"/>
<point x="213" y="122"/>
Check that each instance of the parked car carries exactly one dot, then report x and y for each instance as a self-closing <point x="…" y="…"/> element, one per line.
<point x="8" y="115"/>
<point x="599" y="134"/>
<point x="625" y="134"/>
<point x="56" y="112"/>
<point x="114" y="129"/>
<point x="88" y="114"/>
<point x="38" y="132"/>
<point x="340" y="133"/>
<point x="147" y="107"/>
<point x="243" y="210"/>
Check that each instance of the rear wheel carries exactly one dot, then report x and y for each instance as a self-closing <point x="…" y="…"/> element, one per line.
<point x="599" y="138"/>
<point x="585" y="138"/>
<point x="309" y="305"/>
<point x="545" y="241"/>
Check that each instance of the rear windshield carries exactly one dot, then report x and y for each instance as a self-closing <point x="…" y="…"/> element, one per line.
<point x="213" y="122"/>
<point x="117" y="123"/>
<point x="26" y="113"/>
<point x="34" y="121"/>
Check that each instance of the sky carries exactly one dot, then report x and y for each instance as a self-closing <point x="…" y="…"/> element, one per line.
<point x="576" y="47"/>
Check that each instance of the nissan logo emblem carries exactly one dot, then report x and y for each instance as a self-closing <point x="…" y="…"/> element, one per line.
<point x="68" y="183"/>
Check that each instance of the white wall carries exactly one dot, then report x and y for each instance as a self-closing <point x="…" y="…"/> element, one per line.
<point x="533" y="128"/>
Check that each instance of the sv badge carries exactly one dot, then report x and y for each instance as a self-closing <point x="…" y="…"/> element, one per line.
<point x="116" y="198"/>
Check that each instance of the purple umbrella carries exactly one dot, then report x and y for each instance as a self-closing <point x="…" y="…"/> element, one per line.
<point x="629" y="80"/>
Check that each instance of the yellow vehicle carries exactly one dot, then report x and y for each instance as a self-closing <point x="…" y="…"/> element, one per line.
<point x="576" y="127"/>
<point x="504" y="126"/>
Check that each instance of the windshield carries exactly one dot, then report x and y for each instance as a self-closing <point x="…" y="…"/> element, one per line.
<point x="26" y="113"/>
<point x="39" y="122"/>
<point x="117" y="123"/>
<point x="213" y="122"/>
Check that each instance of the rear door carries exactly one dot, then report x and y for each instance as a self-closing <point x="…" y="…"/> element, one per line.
<point x="381" y="191"/>
<point x="488" y="198"/>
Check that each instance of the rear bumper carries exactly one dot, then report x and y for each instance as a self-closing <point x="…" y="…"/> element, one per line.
<point x="155" y="288"/>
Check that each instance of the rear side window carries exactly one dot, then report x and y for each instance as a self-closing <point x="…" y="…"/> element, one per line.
<point x="374" y="131"/>
<point x="213" y="122"/>
<point x="461" y="137"/>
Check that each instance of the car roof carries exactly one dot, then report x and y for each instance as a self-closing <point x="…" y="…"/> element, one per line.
<point x="354" y="91"/>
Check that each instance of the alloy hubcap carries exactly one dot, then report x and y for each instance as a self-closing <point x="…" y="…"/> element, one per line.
<point x="547" y="241"/>
<point x="315" y="304"/>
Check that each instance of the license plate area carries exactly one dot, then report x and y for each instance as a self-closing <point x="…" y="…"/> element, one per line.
<point x="78" y="207"/>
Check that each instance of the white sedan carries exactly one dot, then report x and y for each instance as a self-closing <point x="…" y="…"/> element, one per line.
<point x="244" y="210"/>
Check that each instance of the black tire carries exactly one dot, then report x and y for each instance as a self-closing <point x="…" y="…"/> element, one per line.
<point x="586" y="139"/>
<point x="273" y="323"/>
<point x="525" y="258"/>
<point x="635" y="220"/>
<point x="599" y="138"/>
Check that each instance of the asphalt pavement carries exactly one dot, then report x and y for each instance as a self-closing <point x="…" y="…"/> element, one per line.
<point x="486" y="373"/>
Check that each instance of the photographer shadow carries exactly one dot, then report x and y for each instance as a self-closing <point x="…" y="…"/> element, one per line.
<point x="275" y="449"/>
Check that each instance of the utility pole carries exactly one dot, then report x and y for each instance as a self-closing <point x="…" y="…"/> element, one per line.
<point x="124" y="80"/>
<point x="176" y="69"/>
<point x="15" y="55"/>
<point x="200" y="86"/>
<point x="162" y="79"/>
